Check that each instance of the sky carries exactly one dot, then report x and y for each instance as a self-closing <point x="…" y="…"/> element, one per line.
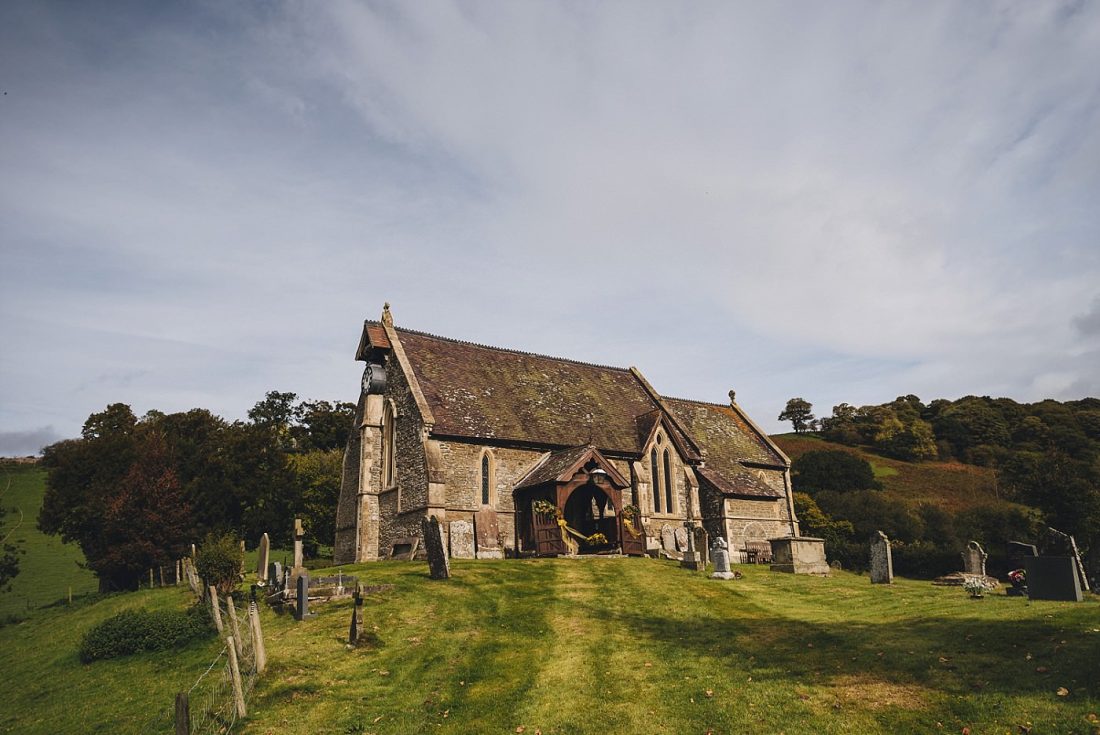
<point x="844" y="201"/>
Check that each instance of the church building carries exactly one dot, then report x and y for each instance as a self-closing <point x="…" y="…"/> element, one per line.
<point x="521" y="454"/>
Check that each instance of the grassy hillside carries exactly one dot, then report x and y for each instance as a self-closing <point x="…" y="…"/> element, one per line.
<point x="952" y="485"/>
<point x="49" y="567"/>
<point x="602" y="645"/>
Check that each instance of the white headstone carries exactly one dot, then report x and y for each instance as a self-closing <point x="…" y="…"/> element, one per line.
<point x="461" y="539"/>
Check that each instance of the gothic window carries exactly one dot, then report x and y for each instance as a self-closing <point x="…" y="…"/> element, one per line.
<point x="487" y="472"/>
<point x="667" y="478"/>
<point x="389" y="453"/>
<point x="655" y="481"/>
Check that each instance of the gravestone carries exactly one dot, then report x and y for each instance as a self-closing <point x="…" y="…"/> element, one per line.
<point x="668" y="538"/>
<point x="974" y="559"/>
<point x="275" y="575"/>
<point x="301" y="605"/>
<point x="487" y="530"/>
<point x="461" y="539"/>
<point x="719" y="552"/>
<point x="1053" y="578"/>
<point x="404" y="548"/>
<point x="882" y="561"/>
<point x="438" y="565"/>
<point x="798" y="555"/>
<point x="702" y="547"/>
<point x="680" y="535"/>
<point x="356" y="616"/>
<point x="1020" y="550"/>
<point x="692" y="560"/>
<point x="262" y="557"/>
<point x="299" y="561"/>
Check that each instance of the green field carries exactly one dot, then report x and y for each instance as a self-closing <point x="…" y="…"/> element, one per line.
<point x="602" y="645"/>
<point x="48" y="568"/>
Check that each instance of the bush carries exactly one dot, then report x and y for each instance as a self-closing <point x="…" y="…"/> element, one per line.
<point x="832" y="469"/>
<point x="218" y="562"/>
<point x="924" y="560"/>
<point x="144" y="630"/>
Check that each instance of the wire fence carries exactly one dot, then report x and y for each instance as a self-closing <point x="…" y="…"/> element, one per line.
<point x="212" y="700"/>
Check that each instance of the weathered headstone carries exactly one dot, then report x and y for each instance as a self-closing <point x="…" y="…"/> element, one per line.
<point x="301" y="605"/>
<point x="719" y="552"/>
<point x="487" y="530"/>
<point x="438" y="565"/>
<point x="356" y="616"/>
<point x="404" y="548"/>
<point x="461" y="539"/>
<point x="974" y="559"/>
<point x="692" y="560"/>
<point x="1020" y="550"/>
<point x="702" y="547"/>
<point x="262" y="557"/>
<point x="680" y="535"/>
<point x="882" y="561"/>
<point x="668" y="538"/>
<point x="275" y="575"/>
<point x="1053" y="578"/>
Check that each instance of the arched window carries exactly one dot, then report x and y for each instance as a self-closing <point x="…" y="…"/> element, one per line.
<point x="389" y="455"/>
<point x="487" y="470"/>
<point x="668" y="483"/>
<point x="655" y="481"/>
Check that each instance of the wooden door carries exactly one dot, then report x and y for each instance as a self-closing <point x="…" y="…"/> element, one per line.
<point x="547" y="534"/>
<point x="632" y="545"/>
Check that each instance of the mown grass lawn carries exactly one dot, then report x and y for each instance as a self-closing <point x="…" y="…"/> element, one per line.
<point x="604" y="645"/>
<point x="639" y="646"/>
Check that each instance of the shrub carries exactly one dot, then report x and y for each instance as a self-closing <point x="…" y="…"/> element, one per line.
<point x="924" y="560"/>
<point x="832" y="469"/>
<point x="144" y="630"/>
<point x="218" y="561"/>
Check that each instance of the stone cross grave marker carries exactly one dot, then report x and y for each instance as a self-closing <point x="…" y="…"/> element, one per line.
<point x="356" y="616"/>
<point x="488" y="534"/>
<point x="262" y="557"/>
<point x="719" y="552"/>
<point x="692" y="560"/>
<point x="882" y="561"/>
<point x="701" y="545"/>
<point x="438" y="565"/>
<point x="301" y="606"/>
<point x="974" y="559"/>
<point x="462" y="539"/>
<point x="299" y="534"/>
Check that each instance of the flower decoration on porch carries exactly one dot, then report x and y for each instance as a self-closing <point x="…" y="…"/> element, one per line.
<point x="976" y="585"/>
<point x="631" y="511"/>
<point x="596" y="539"/>
<point x="545" y="507"/>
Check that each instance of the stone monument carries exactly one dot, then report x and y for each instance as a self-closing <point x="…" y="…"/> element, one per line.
<point x="487" y="530"/>
<point x="882" y="561"/>
<point x="301" y="605"/>
<point x="668" y="538"/>
<point x="298" y="567"/>
<point x="438" y="565"/>
<point x="263" y="552"/>
<point x="799" y="555"/>
<point x="719" y="552"/>
<point x="692" y="560"/>
<point x="461" y="539"/>
<point x="974" y="559"/>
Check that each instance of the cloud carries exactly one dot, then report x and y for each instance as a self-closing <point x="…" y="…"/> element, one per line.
<point x="845" y="203"/>
<point x="26" y="443"/>
<point x="1088" y="323"/>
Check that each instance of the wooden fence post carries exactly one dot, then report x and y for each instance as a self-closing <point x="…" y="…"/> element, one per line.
<point x="183" y="714"/>
<point x="235" y="675"/>
<point x="234" y="628"/>
<point x="215" y="611"/>
<point x="257" y="638"/>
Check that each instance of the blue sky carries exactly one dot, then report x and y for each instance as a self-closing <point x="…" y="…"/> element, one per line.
<point x="844" y="201"/>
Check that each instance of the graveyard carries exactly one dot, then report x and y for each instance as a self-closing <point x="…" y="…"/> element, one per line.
<point x="596" y="645"/>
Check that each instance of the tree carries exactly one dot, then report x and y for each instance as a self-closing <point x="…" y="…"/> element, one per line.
<point x="319" y="474"/>
<point x="815" y="522"/>
<point x="320" y="425"/>
<point x="799" y="412"/>
<point x="9" y="553"/>
<point x="831" y="469"/>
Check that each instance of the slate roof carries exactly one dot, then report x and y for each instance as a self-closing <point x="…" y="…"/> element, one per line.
<point x="555" y="464"/>
<point x="492" y="393"/>
<point x="480" y="392"/>
<point x="728" y="441"/>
